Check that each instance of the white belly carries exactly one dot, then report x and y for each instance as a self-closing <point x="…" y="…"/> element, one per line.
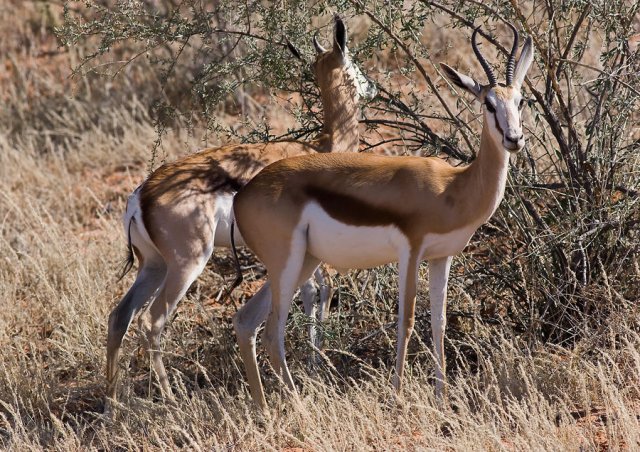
<point x="345" y="246"/>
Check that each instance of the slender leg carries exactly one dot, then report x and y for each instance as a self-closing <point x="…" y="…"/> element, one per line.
<point x="408" y="269"/>
<point x="176" y="284"/>
<point x="297" y="270"/>
<point x="246" y="323"/>
<point x="308" y="293"/>
<point x="438" y="278"/>
<point x="326" y="293"/>
<point x="145" y="288"/>
<point x="319" y="283"/>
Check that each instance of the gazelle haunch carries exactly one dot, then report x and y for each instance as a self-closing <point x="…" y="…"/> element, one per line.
<point x="183" y="210"/>
<point x="361" y="211"/>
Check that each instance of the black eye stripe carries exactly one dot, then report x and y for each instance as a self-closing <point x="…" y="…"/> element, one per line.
<point x="491" y="109"/>
<point x="495" y="117"/>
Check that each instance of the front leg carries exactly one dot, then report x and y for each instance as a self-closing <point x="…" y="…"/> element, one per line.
<point x="438" y="278"/>
<point x="408" y="270"/>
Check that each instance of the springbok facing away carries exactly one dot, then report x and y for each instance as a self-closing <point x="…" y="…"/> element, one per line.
<point x="183" y="210"/>
<point x="361" y="211"/>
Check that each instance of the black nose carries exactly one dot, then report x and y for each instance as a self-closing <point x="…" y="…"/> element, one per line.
<point x="513" y="139"/>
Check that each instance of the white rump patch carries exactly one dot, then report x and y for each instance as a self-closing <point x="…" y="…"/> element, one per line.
<point x="223" y="216"/>
<point x="139" y="235"/>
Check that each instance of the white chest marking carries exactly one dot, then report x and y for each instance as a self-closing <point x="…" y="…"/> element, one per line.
<point x="449" y="244"/>
<point x="345" y="246"/>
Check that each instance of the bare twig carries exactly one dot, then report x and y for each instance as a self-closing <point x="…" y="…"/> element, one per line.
<point x="400" y="43"/>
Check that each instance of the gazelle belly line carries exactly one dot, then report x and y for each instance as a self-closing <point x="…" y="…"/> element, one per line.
<point x="347" y="246"/>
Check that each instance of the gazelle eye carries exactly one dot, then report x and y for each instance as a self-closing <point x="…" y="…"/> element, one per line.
<point x="523" y="101"/>
<point x="490" y="107"/>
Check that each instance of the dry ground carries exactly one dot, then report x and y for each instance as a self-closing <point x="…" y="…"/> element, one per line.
<point x="69" y="157"/>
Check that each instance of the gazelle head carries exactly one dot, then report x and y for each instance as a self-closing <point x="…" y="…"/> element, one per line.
<point x="334" y="69"/>
<point x="337" y="59"/>
<point x="502" y="102"/>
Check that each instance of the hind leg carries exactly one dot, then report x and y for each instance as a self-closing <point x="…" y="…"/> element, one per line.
<point x="177" y="282"/>
<point x="246" y="323"/>
<point x="325" y="287"/>
<point x="296" y="270"/>
<point x="145" y="288"/>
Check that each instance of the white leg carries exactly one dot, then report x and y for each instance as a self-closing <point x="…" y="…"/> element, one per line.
<point x="296" y="271"/>
<point x="438" y="278"/>
<point x="308" y="293"/>
<point x="408" y="269"/>
<point x="325" y="287"/>
<point x="319" y="283"/>
<point x="326" y="292"/>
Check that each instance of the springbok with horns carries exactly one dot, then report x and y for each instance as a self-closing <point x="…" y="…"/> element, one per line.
<point x="183" y="210"/>
<point x="361" y="211"/>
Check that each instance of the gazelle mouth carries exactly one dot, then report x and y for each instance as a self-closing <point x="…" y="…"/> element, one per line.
<point x="513" y="148"/>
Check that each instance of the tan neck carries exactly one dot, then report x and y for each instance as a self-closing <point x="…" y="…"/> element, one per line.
<point x="486" y="177"/>
<point x="340" y="130"/>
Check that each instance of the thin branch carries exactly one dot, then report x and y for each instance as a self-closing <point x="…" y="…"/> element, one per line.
<point x="572" y="39"/>
<point x="418" y="65"/>
<point x="603" y="72"/>
<point x="574" y="140"/>
<point x="436" y="140"/>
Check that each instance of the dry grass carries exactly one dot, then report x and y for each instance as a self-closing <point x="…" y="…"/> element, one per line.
<point x="64" y="177"/>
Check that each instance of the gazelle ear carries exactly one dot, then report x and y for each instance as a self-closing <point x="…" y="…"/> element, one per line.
<point x="461" y="80"/>
<point x="339" y="35"/>
<point x="526" y="58"/>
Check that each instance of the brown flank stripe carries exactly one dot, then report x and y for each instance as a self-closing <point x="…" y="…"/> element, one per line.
<point x="350" y="210"/>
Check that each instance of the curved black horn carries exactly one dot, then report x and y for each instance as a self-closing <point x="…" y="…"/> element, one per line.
<point x="317" y="45"/>
<point x="511" y="63"/>
<point x="293" y="49"/>
<point x="481" y="59"/>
